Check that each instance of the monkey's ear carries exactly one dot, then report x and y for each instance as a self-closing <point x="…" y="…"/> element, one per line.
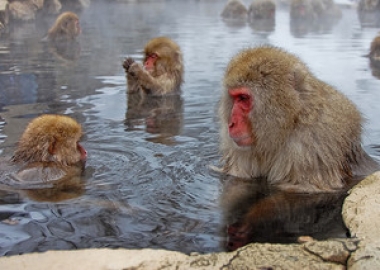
<point x="298" y="78"/>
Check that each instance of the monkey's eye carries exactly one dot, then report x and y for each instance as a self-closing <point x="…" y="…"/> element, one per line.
<point x="244" y="101"/>
<point x="243" y="98"/>
<point x="153" y="55"/>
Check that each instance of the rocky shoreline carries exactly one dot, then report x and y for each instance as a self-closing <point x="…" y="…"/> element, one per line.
<point x="361" y="214"/>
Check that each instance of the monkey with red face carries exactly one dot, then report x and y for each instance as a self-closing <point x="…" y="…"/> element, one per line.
<point x="162" y="69"/>
<point x="280" y="122"/>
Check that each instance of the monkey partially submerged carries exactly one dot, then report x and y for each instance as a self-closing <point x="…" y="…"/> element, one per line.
<point x="65" y="28"/>
<point x="49" y="150"/>
<point x="280" y="122"/>
<point x="162" y="69"/>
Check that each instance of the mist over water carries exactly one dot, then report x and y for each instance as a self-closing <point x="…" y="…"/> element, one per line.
<point x="147" y="180"/>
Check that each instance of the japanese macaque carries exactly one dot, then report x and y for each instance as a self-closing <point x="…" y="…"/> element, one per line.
<point x="52" y="6"/>
<point x="4" y="17"/>
<point x="369" y="13"/>
<point x="280" y="122"/>
<point x="66" y="27"/>
<point x="374" y="53"/>
<point x="162" y="69"/>
<point x="314" y="9"/>
<point x="49" y="150"/>
<point x="24" y="10"/>
<point x="262" y="9"/>
<point x="234" y="9"/>
<point x="368" y="5"/>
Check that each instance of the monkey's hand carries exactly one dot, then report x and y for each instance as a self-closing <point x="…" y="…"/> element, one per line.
<point x="238" y="235"/>
<point x="127" y="64"/>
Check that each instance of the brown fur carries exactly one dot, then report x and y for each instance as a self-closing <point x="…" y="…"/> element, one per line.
<point x="24" y="10"/>
<point x="48" y="148"/>
<point x="234" y="9"/>
<point x="52" y="6"/>
<point x="307" y="133"/>
<point x="167" y="75"/>
<point x="314" y="9"/>
<point x="374" y="53"/>
<point x="66" y="27"/>
<point x="262" y="9"/>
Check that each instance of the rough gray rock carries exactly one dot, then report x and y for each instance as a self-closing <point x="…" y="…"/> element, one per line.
<point x="311" y="255"/>
<point x="361" y="214"/>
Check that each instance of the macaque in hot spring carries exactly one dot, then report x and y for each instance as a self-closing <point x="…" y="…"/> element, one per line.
<point x="65" y="28"/>
<point x="374" y="53"/>
<point x="280" y="122"/>
<point x="162" y="69"/>
<point x="24" y="10"/>
<point x="49" y="150"/>
<point x="314" y="10"/>
<point x="262" y="9"/>
<point x="234" y="9"/>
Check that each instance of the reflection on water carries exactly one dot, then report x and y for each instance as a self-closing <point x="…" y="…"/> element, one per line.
<point x="256" y="213"/>
<point x="161" y="115"/>
<point x="147" y="182"/>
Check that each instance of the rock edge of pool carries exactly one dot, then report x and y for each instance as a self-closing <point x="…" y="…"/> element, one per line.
<point x="361" y="214"/>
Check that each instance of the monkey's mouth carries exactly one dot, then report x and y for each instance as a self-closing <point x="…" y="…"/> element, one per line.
<point x="243" y="141"/>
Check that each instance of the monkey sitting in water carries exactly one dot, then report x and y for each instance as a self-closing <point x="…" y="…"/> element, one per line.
<point x="280" y="122"/>
<point x="65" y="28"/>
<point x="49" y="150"/>
<point x="162" y="69"/>
<point x="234" y="9"/>
<point x="374" y="52"/>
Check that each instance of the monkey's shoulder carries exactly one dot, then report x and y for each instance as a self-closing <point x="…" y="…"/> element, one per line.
<point x="40" y="173"/>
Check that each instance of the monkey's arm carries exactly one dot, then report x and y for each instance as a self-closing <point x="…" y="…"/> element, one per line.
<point x="156" y="85"/>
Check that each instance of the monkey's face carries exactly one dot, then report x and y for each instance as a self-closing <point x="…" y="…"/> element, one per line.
<point x="69" y="151"/>
<point x="239" y="124"/>
<point x="150" y="61"/>
<point x="73" y="27"/>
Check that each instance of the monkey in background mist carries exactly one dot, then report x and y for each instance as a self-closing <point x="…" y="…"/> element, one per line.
<point x="234" y="9"/>
<point x="162" y="69"/>
<point x="65" y="28"/>
<point x="62" y="37"/>
<point x="280" y="122"/>
<point x="262" y="15"/>
<point x="374" y="52"/>
<point x="262" y="9"/>
<point x="314" y="9"/>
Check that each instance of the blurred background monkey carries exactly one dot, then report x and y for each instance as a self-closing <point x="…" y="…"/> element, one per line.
<point x="65" y="27"/>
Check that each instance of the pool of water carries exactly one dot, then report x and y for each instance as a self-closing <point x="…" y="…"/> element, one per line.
<point x="147" y="181"/>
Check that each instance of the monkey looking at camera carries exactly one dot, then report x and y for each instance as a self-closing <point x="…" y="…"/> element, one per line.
<point x="280" y="122"/>
<point x="162" y="69"/>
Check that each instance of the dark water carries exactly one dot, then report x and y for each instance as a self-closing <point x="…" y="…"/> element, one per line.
<point x="147" y="181"/>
